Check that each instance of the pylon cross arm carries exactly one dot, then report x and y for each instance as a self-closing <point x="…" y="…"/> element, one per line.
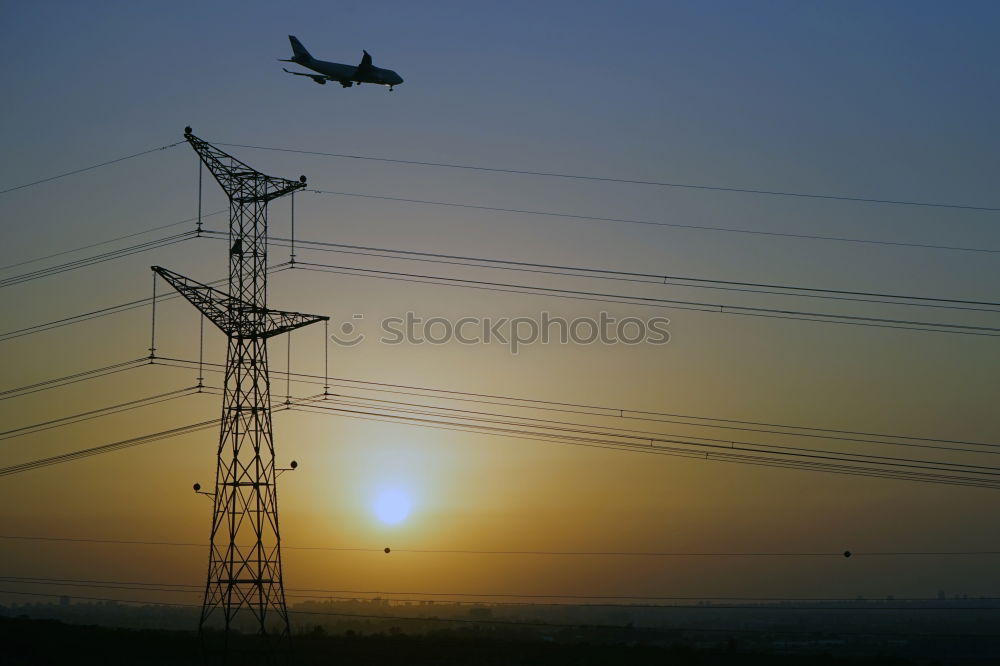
<point x="241" y="182"/>
<point x="235" y="317"/>
<point x="282" y="321"/>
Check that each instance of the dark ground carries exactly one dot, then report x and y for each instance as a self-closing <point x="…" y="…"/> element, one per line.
<point x="39" y="642"/>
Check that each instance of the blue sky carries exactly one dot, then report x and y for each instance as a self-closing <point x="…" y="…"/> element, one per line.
<point x="887" y="101"/>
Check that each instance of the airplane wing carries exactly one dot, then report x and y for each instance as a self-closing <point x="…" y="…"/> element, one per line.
<point x="318" y="78"/>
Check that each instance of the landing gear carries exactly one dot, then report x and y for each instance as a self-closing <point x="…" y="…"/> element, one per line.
<point x="390" y="88"/>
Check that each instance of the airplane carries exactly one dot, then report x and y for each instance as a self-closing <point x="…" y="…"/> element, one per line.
<point x="345" y="75"/>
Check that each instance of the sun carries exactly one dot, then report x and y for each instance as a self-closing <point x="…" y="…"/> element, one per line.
<point x="392" y="506"/>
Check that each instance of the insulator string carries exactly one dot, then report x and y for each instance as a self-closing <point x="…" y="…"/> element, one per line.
<point x="326" y="358"/>
<point x="201" y="170"/>
<point x="288" y="371"/>
<point x="291" y="257"/>
<point x="201" y="352"/>
<point x="152" y="334"/>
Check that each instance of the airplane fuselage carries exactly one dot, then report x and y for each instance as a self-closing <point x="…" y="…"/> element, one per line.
<point x="351" y="73"/>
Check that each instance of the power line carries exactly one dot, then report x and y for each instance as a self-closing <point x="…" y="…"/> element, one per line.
<point x="641" y="435"/>
<point x="89" y="168"/>
<point x="107" y="311"/>
<point x="65" y="380"/>
<point x="78" y="318"/>
<point x="107" y="448"/>
<point x="660" y="444"/>
<point x="592" y="409"/>
<point x="108" y="241"/>
<point x="464" y="599"/>
<point x="720" y="308"/>
<point x="672" y="225"/>
<point x="340" y="396"/>
<point x="560" y="553"/>
<point x="767" y="455"/>
<point x="97" y="413"/>
<point x="656" y="449"/>
<point x="788" y="457"/>
<point x="647" y="278"/>
<point x="126" y="542"/>
<point x="510" y="595"/>
<point x="579" y="434"/>
<point x="408" y="596"/>
<point x="551" y="174"/>
<point x="566" y="432"/>
<point x="84" y="262"/>
<point x="839" y="464"/>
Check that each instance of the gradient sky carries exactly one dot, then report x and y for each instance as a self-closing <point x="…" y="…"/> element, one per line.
<point x="889" y="100"/>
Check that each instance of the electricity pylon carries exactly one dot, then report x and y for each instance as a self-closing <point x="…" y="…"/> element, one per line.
<point x="245" y="584"/>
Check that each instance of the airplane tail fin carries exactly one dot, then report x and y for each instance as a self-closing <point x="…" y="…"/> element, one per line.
<point x="300" y="51"/>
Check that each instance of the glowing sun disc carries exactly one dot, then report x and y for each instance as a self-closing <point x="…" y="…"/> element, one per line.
<point x="392" y="506"/>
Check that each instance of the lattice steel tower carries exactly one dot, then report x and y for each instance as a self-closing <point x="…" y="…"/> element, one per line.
<point x="244" y="583"/>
